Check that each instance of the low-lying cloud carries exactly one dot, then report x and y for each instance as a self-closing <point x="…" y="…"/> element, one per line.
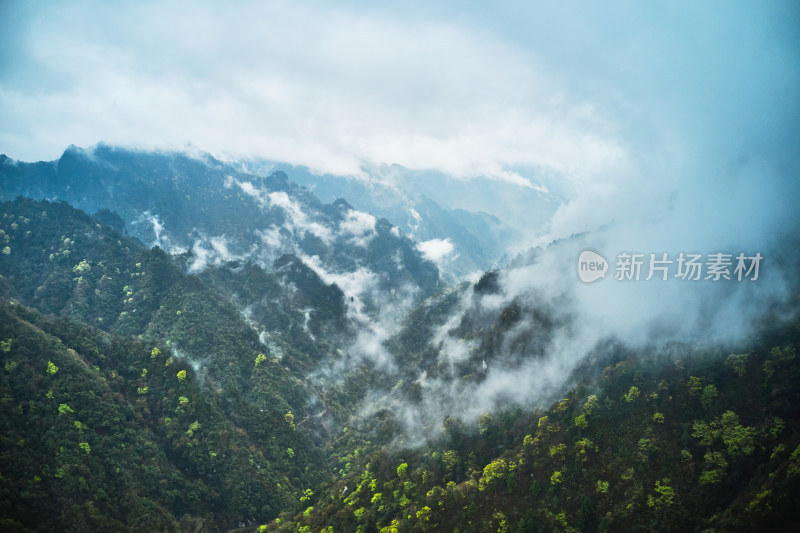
<point x="436" y="249"/>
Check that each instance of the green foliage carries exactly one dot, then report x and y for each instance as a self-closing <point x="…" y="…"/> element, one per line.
<point x="709" y="396"/>
<point x="793" y="468"/>
<point x="402" y="468"/>
<point x="194" y="426"/>
<point x="497" y="469"/>
<point x="260" y="358"/>
<point x="500" y="519"/>
<point x="182" y="375"/>
<point x="632" y="394"/>
<point x="737" y="439"/>
<point x="306" y="496"/>
<point x="558" y="450"/>
<point x="738" y="363"/>
<point x="51" y="368"/>
<point x="450" y="459"/>
<point x="484" y="423"/>
<point x="85" y="447"/>
<point x="590" y="404"/>
<point x="695" y="385"/>
<point x="664" y="495"/>
<point x="715" y="466"/>
<point x="83" y="267"/>
<point x="289" y="419"/>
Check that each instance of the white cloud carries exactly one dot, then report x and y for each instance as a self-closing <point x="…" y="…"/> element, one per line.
<point x="436" y="249"/>
<point x="271" y="237"/>
<point x="326" y="87"/>
<point x="250" y="190"/>
<point x="213" y="251"/>
<point x="297" y="218"/>
<point x="360" y="226"/>
<point x="356" y="285"/>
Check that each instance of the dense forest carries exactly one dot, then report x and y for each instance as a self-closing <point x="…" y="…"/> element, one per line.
<point x="142" y="393"/>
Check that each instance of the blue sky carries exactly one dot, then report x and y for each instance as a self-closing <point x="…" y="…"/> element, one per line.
<point x="658" y="106"/>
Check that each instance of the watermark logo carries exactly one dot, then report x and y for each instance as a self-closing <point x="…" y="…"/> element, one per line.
<point x="631" y="266"/>
<point x="591" y="266"/>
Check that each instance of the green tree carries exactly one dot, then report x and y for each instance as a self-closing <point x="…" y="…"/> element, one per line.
<point x="497" y="469"/>
<point x="401" y="470"/>
<point x="738" y="363"/>
<point x="590" y="404"/>
<point x="664" y="497"/>
<point x="794" y="463"/>
<point x="632" y="394"/>
<point x="695" y="386"/>
<point x="716" y="465"/>
<point x="709" y="396"/>
<point x="82" y="268"/>
<point x="737" y="438"/>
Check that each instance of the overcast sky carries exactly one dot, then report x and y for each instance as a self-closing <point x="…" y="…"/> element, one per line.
<point x="611" y="98"/>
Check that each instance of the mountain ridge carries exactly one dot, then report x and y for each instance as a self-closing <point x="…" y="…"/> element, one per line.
<point x="308" y="386"/>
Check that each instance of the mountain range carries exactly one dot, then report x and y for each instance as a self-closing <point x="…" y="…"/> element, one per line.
<point x="190" y="344"/>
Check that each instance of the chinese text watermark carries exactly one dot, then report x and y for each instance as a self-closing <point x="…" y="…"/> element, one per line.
<point x="631" y="266"/>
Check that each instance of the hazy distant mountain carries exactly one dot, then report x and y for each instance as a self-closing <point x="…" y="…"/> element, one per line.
<point x="196" y="203"/>
<point x="430" y="206"/>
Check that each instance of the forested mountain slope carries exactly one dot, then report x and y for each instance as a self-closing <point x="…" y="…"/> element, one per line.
<point x="688" y="440"/>
<point x="212" y="387"/>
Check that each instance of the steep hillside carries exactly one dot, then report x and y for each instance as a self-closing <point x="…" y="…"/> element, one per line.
<point x="683" y="440"/>
<point x="101" y="432"/>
